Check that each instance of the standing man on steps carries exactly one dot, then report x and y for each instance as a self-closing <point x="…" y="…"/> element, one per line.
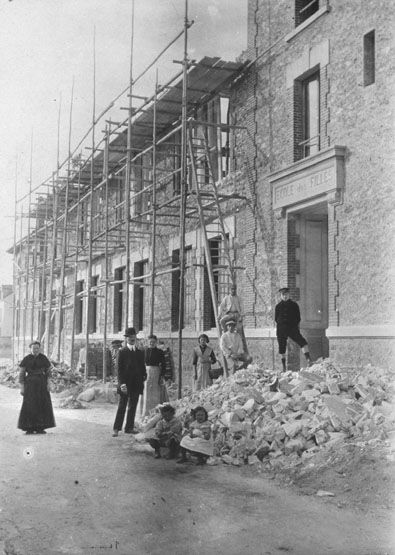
<point x="131" y="377"/>
<point x="287" y="317"/>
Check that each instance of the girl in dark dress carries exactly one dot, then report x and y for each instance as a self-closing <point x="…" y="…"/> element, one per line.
<point x="36" y="413"/>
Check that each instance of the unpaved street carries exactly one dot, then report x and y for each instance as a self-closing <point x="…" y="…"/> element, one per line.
<point x="78" y="490"/>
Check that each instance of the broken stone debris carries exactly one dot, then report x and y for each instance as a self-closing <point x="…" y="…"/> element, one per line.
<point x="326" y="405"/>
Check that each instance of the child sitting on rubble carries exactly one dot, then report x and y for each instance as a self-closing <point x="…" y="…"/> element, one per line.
<point x="197" y="440"/>
<point x="168" y="431"/>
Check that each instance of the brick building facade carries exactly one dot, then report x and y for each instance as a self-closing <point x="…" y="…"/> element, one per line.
<point x="307" y="165"/>
<point x="318" y="102"/>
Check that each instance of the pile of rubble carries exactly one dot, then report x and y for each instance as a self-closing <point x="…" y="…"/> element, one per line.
<point x="9" y="375"/>
<point x="257" y="418"/>
<point x="62" y="377"/>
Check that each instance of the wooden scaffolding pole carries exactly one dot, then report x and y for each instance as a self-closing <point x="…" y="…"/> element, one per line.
<point x="48" y="315"/>
<point x="61" y="297"/>
<point x="106" y="264"/>
<point x="20" y="286"/>
<point x="88" y="307"/>
<point x="153" y="228"/>
<point x="41" y="324"/>
<point x="27" y="294"/>
<point x="14" y="269"/>
<point x="184" y="175"/>
<point x="54" y="239"/>
<point x="128" y="175"/>
<point x="76" y="260"/>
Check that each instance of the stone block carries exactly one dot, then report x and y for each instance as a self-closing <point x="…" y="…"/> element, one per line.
<point x="355" y="410"/>
<point x="271" y="397"/>
<point x="292" y="428"/>
<point x="337" y="410"/>
<point x="228" y="418"/>
<point x="310" y="377"/>
<point x="249" y="406"/>
<point x="88" y="395"/>
<point x="263" y="450"/>
<point x="336" y="437"/>
<point x="321" y="437"/>
<point x="253" y="459"/>
<point x="310" y="394"/>
<point x="333" y="388"/>
<point x="239" y="412"/>
<point x="296" y="445"/>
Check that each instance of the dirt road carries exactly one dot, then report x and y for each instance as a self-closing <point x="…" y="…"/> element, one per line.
<point x="77" y="490"/>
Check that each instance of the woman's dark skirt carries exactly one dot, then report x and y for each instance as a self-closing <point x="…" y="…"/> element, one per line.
<point x="36" y="412"/>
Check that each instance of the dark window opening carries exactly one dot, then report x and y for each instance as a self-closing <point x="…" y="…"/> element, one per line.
<point x="189" y="289"/>
<point x="176" y="163"/>
<point x="305" y="9"/>
<point x="175" y="289"/>
<point x="93" y="306"/>
<point x="79" y="306"/>
<point x="140" y="269"/>
<point x="221" y="282"/>
<point x="119" y="276"/>
<point x="307" y="116"/>
<point x="369" y="58"/>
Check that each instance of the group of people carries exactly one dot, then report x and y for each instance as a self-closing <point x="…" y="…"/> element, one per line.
<point x="191" y="438"/>
<point x="141" y="371"/>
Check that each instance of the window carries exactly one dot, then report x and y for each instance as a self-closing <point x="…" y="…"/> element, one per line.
<point x="175" y="289"/>
<point x="189" y="289"/>
<point x="225" y="150"/>
<point x="368" y="59"/>
<point x="119" y="276"/>
<point x="79" y="306"/>
<point x="221" y="281"/>
<point x="93" y="307"/>
<point x="175" y="163"/>
<point x="139" y="314"/>
<point x="188" y="314"/>
<point x="305" y="9"/>
<point x="307" y="116"/>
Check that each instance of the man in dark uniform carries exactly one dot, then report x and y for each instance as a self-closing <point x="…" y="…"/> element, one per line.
<point x="131" y="377"/>
<point x="287" y="317"/>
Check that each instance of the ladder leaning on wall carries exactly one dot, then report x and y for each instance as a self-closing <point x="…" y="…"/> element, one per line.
<point x="209" y="200"/>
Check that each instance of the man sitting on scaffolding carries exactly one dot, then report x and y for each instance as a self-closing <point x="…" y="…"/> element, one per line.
<point x="231" y="309"/>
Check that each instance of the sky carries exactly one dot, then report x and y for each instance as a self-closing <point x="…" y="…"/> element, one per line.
<point x="47" y="45"/>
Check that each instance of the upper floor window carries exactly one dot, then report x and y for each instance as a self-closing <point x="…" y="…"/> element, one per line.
<point x="311" y="114"/>
<point x="307" y="116"/>
<point x="304" y="9"/>
<point x="368" y="58"/>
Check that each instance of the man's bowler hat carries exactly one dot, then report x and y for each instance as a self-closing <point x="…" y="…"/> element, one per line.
<point x="129" y="332"/>
<point x="230" y="322"/>
<point x="284" y="290"/>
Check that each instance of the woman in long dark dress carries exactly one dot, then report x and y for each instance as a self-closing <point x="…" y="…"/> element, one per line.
<point x="36" y="413"/>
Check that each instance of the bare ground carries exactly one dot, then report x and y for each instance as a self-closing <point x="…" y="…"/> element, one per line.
<point x="78" y="490"/>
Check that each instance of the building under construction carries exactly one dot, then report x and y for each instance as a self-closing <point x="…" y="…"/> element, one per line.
<point x="231" y="172"/>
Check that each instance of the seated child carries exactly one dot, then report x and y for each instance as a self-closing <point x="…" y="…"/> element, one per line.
<point x="167" y="433"/>
<point x="198" y="440"/>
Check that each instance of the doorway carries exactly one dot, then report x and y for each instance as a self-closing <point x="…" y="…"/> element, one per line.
<point x="313" y="278"/>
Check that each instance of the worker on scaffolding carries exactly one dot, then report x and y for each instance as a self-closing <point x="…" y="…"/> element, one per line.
<point x="231" y="345"/>
<point x="231" y="308"/>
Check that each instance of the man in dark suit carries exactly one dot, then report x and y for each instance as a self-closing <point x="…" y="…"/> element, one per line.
<point x="131" y="377"/>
